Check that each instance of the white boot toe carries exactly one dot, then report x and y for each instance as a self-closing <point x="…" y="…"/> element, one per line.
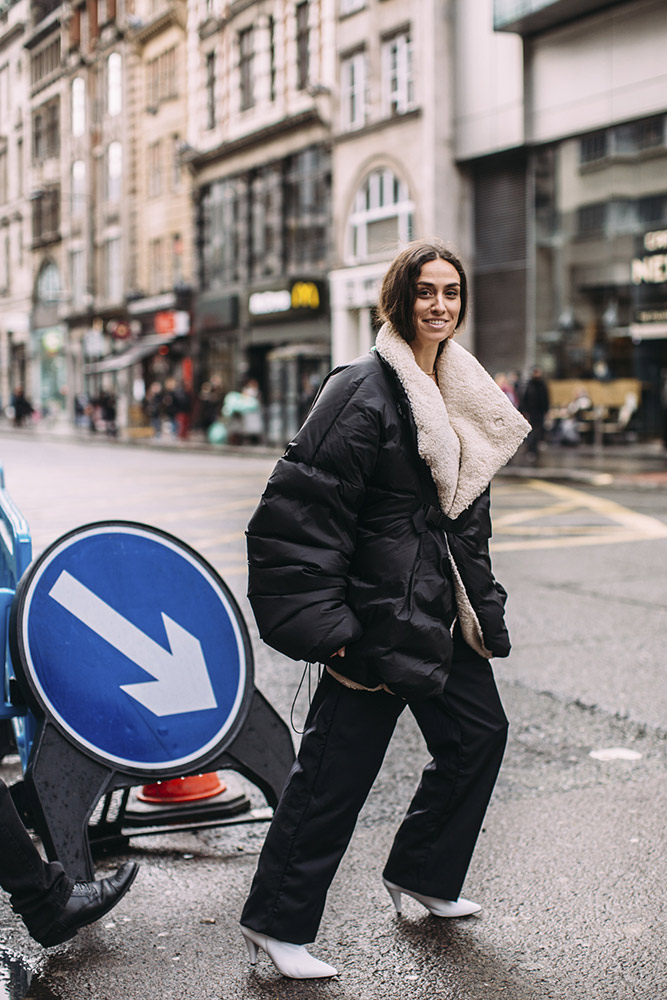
<point x="291" y="960"/>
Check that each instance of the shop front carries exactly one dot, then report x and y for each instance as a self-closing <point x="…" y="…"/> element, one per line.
<point x="288" y="350"/>
<point x="599" y="264"/>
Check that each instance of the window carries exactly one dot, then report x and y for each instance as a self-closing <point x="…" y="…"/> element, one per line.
<point x="210" y="91"/>
<point x="113" y="269"/>
<point x="46" y="131"/>
<point x="3" y="175"/>
<point x="651" y="132"/>
<point x="114" y="84"/>
<point x="272" y="58"/>
<point x="4" y="261"/>
<point x="78" y="106"/>
<point x="266" y="214"/>
<point x="593" y="147"/>
<point x="307" y="213"/>
<point x="222" y="232"/>
<point x="353" y="90"/>
<point x="4" y="94"/>
<point x="162" y="83"/>
<point x="19" y="167"/>
<point x="653" y="210"/>
<point x="351" y="6"/>
<point x="114" y="171"/>
<point x="78" y="205"/>
<point x="45" y="62"/>
<point x="302" y="40"/>
<point x="591" y="220"/>
<point x="155" y="265"/>
<point x="397" y="79"/>
<point x="46" y="215"/>
<point x="176" y="259"/>
<point x="176" y="168"/>
<point x="246" y="60"/>
<point x="381" y="218"/>
<point x="155" y="169"/>
<point x="48" y="284"/>
<point x="77" y="279"/>
<point x="113" y="277"/>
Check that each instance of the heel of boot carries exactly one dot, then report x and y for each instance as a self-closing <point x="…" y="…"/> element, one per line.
<point x="252" y="948"/>
<point x="395" y="894"/>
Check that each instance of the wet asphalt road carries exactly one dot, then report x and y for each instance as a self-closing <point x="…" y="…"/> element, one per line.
<point x="570" y="868"/>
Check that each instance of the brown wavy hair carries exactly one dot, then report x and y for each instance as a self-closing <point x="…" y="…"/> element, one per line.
<point x="399" y="286"/>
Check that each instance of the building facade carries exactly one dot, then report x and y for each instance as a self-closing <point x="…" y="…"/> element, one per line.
<point x="394" y="172"/>
<point x="563" y="138"/>
<point x="16" y="285"/>
<point x="259" y="130"/>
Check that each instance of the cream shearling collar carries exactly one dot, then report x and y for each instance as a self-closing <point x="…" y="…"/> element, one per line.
<point x="467" y="429"/>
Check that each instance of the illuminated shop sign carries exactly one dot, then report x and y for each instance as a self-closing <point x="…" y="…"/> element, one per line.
<point x="299" y="299"/>
<point x="649" y="277"/>
<point x="652" y="267"/>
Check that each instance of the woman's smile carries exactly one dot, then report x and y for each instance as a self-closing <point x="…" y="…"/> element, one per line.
<point x="436" y="309"/>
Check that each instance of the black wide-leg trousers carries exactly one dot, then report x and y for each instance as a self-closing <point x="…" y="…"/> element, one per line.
<point x="346" y="737"/>
<point x="38" y="889"/>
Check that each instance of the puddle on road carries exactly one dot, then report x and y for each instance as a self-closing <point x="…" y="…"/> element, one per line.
<point x="17" y="981"/>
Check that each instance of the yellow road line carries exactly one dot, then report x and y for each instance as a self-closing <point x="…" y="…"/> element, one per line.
<point x="571" y="542"/>
<point x="643" y="524"/>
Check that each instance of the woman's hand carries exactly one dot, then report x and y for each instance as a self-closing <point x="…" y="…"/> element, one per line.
<point x="339" y="652"/>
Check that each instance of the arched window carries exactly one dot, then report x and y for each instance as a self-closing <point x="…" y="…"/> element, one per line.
<point x="381" y="217"/>
<point x="48" y="284"/>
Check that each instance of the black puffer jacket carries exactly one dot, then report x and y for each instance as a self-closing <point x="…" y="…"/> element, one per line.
<point x="347" y="546"/>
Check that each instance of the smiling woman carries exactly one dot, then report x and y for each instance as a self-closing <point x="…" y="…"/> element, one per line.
<point x="369" y="554"/>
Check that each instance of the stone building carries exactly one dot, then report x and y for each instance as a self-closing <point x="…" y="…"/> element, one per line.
<point x="261" y="77"/>
<point x="15" y="236"/>
<point x="394" y="173"/>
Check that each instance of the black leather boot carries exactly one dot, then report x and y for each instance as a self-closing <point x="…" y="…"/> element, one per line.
<point x="88" y="902"/>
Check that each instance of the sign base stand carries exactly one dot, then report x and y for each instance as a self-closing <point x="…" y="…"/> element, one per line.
<point x="262" y="752"/>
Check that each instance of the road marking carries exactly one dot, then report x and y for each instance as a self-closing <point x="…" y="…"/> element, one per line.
<point x="626" y="525"/>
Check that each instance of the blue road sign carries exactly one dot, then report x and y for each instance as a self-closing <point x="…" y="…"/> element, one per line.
<point x="133" y="645"/>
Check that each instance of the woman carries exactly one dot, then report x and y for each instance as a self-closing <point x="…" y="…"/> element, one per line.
<point x="368" y="553"/>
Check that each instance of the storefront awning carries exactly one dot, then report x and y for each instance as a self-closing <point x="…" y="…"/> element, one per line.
<point x="141" y="349"/>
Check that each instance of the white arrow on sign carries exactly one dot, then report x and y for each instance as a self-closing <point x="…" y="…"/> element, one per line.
<point x="181" y="684"/>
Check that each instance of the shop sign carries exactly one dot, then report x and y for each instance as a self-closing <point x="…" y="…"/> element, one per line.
<point x="299" y="300"/>
<point x="217" y="312"/>
<point x="649" y="277"/>
<point x="652" y="267"/>
<point x="172" y="321"/>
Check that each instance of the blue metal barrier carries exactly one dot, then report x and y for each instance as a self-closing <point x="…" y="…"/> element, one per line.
<point x="15" y="557"/>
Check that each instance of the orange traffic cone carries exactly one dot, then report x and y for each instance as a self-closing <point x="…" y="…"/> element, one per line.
<point x="175" y="790"/>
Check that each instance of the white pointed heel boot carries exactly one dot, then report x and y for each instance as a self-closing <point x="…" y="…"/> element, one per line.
<point x="291" y="960"/>
<point x="438" y="907"/>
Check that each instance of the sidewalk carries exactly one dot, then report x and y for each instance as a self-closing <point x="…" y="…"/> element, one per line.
<point x="641" y="464"/>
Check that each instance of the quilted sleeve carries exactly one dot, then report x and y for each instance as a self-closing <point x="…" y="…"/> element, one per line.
<point x="303" y="533"/>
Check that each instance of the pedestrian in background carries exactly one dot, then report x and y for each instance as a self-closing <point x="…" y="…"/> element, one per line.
<point x="52" y="906"/>
<point x="21" y="406"/>
<point x="534" y="405"/>
<point x="368" y="553"/>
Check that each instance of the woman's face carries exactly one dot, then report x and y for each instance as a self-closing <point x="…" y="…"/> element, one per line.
<point x="438" y="302"/>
